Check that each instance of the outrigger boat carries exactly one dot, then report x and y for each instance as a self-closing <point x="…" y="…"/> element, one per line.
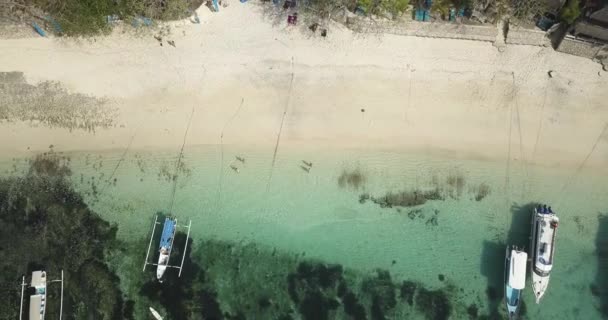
<point x="515" y="279"/>
<point x="166" y="246"/>
<point x="542" y="248"/>
<point x="38" y="300"/>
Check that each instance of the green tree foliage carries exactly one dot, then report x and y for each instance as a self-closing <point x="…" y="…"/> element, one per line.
<point x="89" y="17"/>
<point x="571" y="11"/>
<point x="44" y="224"/>
<point x="382" y="7"/>
<point x="527" y="9"/>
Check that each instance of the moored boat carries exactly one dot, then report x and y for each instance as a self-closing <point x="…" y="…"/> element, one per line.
<point x="166" y="244"/>
<point x="542" y="248"/>
<point x="155" y="314"/>
<point x="38" y="299"/>
<point x="515" y="279"/>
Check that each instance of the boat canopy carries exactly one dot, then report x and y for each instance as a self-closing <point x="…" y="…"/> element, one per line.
<point x="546" y="231"/>
<point x="38" y="279"/>
<point x="36" y="307"/>
<point x="166" y="240"/>
<point x="517" y="269"/>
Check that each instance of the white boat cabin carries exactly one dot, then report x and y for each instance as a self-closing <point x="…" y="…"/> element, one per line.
<point x="546" y="229"/>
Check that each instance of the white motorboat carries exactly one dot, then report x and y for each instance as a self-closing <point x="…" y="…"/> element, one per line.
<point x="542" y="248"/>
<point x="38" y="299"/>
<point x="155" y="314"/>
<point x="515" y="279"/>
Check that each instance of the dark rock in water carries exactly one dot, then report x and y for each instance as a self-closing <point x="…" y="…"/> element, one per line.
<point x="441" y="277"/>
<point x="363" y="198"/>
<point x="264" y="302"/>
<point x="377" y="311"/>
<point x="394" y="262"/>
<point x="432" y="221"/>
<point x="319" y="274"/>
<point x="329" y="275"/>
<point x="238" y="316"/>
<point x="414" y="213"/>
<point x="333" y="304"/>
<point x="408" y="290"/>
<point x="382" y="291"/>
<point x="434" y="304"/>
<point x="473" y="311"/>
<point x="353" y="307"/>
<point x="127" y="312"/>
<point x="314" y="306"/>
<point x="492" y="293"/>
<point x="292" y="287"/>
<point x="312" y="286"/>
<point x="342" y="289"/>
<point x="210" y="306"/>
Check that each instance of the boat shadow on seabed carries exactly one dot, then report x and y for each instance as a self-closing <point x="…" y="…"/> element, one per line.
<point x="493" y="258"/>
<point x="598" y="288"/>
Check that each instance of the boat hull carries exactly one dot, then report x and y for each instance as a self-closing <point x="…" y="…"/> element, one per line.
<point x="513" y="295"/>
<point x="539" y="285"/>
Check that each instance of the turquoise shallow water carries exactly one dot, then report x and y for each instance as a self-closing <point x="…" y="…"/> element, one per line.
<point x="311" y="214"/>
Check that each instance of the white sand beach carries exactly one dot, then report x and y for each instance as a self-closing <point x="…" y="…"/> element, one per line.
<point x="245" y="80"/>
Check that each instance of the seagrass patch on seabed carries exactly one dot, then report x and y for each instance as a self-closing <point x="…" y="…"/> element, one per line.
<point x="49" y="104"/>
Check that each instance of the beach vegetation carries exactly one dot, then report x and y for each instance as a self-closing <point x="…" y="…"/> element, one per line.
<point x="571" y="11"/>
<point x="91" y="17"/>
<point x="528" y="9"/>
<point x="393" y="8"/>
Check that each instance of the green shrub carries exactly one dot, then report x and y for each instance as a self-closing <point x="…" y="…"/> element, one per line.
<point x="395" y="7"/>
<point x="571" y="11"/>
<point x="89" y="17"/>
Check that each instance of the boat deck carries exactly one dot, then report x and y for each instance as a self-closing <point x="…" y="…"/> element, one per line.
<point x="544" y="249"/>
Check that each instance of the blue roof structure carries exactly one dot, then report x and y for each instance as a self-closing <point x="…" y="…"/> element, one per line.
<point x="166" y="240"/>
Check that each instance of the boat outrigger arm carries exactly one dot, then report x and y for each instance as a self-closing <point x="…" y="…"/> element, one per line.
<point x="166" y="245"/>
<point x="42" y="302"/>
